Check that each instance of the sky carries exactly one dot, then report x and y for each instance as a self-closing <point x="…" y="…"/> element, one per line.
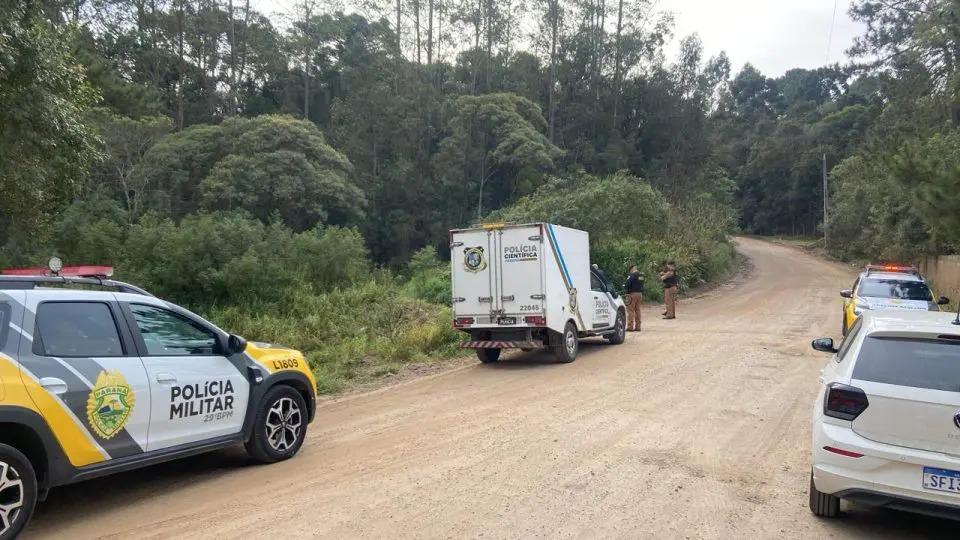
<point x="773" y="35"/>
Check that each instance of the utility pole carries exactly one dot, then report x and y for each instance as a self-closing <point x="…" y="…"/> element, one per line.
<point x="825" y="193"/>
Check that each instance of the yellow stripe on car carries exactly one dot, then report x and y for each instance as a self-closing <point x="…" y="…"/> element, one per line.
<point x="24" y="391"/>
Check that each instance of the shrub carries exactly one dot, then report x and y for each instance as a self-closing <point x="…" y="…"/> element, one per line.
<point x="429" y="277"/>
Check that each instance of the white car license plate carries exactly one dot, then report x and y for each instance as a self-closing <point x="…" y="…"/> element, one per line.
<point x="941" y="480"/>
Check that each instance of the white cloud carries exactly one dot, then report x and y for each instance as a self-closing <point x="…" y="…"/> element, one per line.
<point x="773" y="35"/>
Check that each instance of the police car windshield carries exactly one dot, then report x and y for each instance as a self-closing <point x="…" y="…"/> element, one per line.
<point x="894" y="288"/>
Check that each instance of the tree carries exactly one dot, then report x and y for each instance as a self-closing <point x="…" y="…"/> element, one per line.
<point x="497" y="138"/>
<point x="125" y="142"/>
<point x="264" y="165"/>
<point x="46" y="146"/>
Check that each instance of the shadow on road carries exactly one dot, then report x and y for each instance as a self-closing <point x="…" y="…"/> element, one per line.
<point x="543" y="358"/>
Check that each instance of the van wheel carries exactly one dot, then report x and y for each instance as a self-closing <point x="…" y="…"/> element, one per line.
<point x="18" y="491"/>
<point x="488" y="356"/>
<point x="619" y="334"/>
<point x="822" y="504"/>
<point x="566" y="350"/>
<point x="280" y="426"/>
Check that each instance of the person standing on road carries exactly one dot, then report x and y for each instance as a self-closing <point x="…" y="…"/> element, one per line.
<point x="634" y="288"/>
<point x="670" y="281"/>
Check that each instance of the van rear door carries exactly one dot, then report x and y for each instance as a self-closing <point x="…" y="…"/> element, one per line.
<point x="472" y="272"/>
<point x="913" y="390"/>
<point x="521" y="272"/>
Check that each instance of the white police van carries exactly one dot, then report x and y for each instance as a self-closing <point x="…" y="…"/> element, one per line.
<point x="530" y="286"/>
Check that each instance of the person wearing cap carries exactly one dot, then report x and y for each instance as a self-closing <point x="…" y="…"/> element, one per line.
<point x="670" y="281"/>
<point x="634" y="289"/>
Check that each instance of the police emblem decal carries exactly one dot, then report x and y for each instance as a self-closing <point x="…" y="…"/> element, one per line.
<point x="474" y="260"/>
<point x="110" y="404"/>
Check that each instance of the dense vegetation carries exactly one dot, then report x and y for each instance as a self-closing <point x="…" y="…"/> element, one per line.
<point x="294" y="177"/>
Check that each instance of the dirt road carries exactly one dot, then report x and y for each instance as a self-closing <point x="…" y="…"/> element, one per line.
<point x="695" y="428"/>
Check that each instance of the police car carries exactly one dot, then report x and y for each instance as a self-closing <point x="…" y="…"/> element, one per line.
<point x="109" y="378"/>
<point x="887" y="286"/>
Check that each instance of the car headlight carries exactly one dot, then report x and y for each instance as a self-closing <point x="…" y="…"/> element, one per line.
<point x="860" y="307"/>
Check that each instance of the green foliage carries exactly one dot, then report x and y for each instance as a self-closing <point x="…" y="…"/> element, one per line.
<point x="615" y="206"/>
<point x="351" y="334"/>
<point x="429" y="277"/>
<point x="495" y="147"/>
<point x="261" y="165"/>
<point x="45" y="146"/>
<point x="930" y="171"/>
<point x="631" y="222"/>
<point x="230" y="258"/>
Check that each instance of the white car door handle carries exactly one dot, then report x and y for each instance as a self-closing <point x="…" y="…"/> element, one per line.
<point x="166" y="378"/>
<point x="54" y="385"/>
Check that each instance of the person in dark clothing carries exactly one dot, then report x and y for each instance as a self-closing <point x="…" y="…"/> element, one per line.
<point x="634" y="289"/>
<point x="671" y="282"/>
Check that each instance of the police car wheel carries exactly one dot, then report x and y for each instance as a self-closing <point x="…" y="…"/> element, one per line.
<point x="280" y="426"/>
<point x="18" y="491"/>
<point x="566" y="349"/>
<point x="619" y="334"/>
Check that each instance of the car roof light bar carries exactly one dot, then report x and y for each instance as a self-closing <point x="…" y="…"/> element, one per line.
<point x="8" y="281"/>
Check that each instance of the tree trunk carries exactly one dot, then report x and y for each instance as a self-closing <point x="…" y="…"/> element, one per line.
<point x="307" y="54"/>
<point x="232" y="98"/>
<point x="416" y="27"/>
<point x="429" y="32"/>
<point x="617" y="86"/>
<point x="182" y="67"/>
<point x="554" y="17"/>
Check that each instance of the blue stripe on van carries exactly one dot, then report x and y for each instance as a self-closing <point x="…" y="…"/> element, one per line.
<point x="563" y="263"/>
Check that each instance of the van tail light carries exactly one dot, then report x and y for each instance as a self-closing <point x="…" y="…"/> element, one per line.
<point x="844" y="402"/>
<point x="536" y="320"/>
<point x="460" y="322"/>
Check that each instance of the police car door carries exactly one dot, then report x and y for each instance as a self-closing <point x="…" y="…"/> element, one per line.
<point x="82" y="357"/>
<point x="198" y="393"/>
<point x="604" y="312"/>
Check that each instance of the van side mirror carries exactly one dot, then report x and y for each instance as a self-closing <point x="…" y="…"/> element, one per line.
<point x="235" y="345"/>
<point x="824" y="345"/>
<point x="846" y="293"/>
<point x="943" y="301"/>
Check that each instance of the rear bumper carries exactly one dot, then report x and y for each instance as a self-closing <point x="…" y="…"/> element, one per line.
<point x="887" y="475"/>
<point x="532" y="344"/>
<point x="906" y="504"/>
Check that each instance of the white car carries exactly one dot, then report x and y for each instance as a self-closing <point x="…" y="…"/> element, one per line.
<point x="886" y="423"/>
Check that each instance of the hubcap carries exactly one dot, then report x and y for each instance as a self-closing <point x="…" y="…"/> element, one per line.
<point x="283" y="423"/>
<point x="11" y="496"/>
<point x="571" y="342"/>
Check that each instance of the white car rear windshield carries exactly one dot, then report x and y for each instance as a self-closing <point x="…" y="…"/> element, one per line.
<point x="894" y="288"/>
<point x="919" y="363"/>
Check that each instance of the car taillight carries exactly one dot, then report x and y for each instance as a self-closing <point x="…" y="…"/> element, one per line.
<point x="536" y="320"/>
<point x="844" y="402"/>
<point x="462" y="321"/>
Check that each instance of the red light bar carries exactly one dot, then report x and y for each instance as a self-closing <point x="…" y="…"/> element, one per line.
<point x="90" y="271"/>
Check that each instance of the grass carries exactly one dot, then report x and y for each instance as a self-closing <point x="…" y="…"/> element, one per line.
<point x="352" y="335"/>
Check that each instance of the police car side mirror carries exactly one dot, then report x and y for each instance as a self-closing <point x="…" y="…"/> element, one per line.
<point x="236" y="344"/>
<point x="846" y="293"/>
<point x="943" y="301"/>
<point x="824" y="345"/>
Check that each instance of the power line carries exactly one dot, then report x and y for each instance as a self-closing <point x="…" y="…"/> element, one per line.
<point x="833" y="23"/>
